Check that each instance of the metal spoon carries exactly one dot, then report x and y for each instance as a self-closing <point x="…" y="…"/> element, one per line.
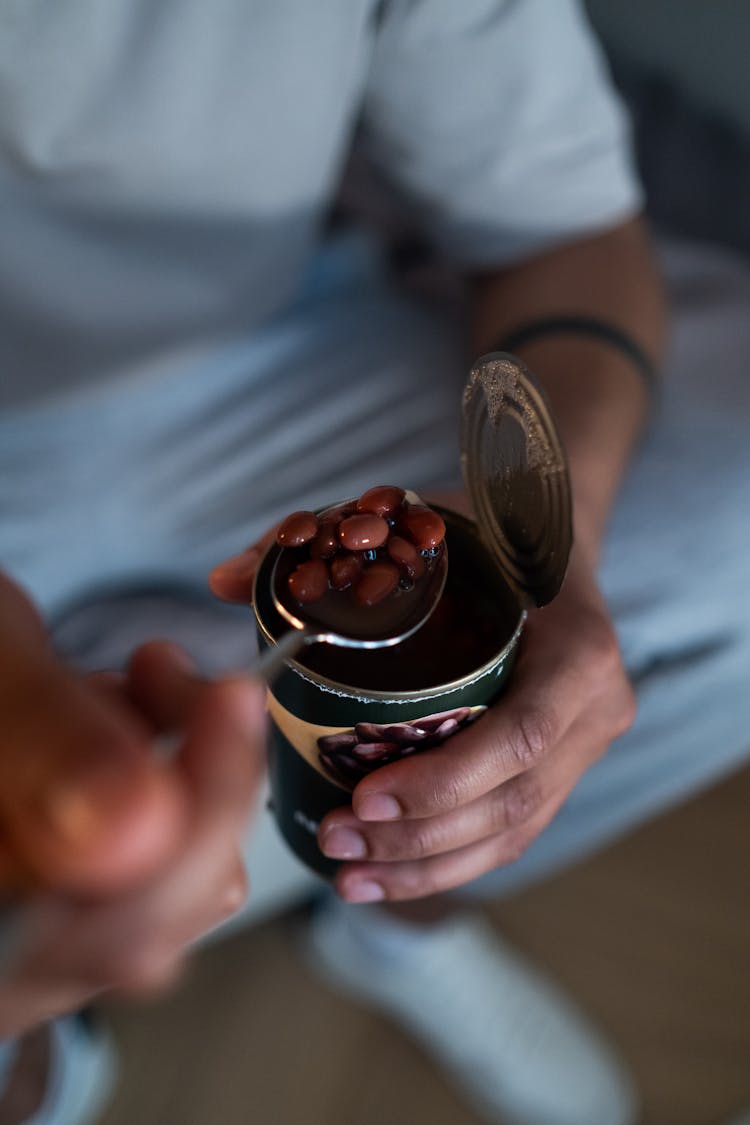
<point x="338" y="620"/>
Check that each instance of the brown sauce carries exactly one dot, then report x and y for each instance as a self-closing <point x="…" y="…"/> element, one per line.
<point x="472" y="623"/>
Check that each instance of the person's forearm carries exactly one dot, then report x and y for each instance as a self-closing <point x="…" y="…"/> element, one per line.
<point x="598" y="397"/>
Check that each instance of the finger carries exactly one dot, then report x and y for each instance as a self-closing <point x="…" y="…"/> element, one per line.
<point x="343" y="836"/>
<point x="136" y="940"/>
<point x="83" y="805"/>
<point x="153" y="980"/>
<point x="30" y="997"/>
<point x="508" y="807"/>
<point x="223" y="755"/>
<point x="512" y="737"/>
<point x="554" y="683"/>
<point x="232" y="580"/>
<point x="163" y="683"/>
<point x="224" y="724"/>
<point x="142" y="946"/>
<point x="372" y="882"/>
<point x="526" y="813"/>
<point x="132" y="938"/>
<point x="114" y="686"/>
<point x="223" y="760"/>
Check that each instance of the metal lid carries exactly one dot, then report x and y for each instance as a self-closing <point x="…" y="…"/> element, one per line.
<point x="516" y="472"/>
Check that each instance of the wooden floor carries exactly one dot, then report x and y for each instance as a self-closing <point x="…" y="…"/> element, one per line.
<point x="653" y="936"/>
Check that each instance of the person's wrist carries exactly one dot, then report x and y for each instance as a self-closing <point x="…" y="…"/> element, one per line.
<point x="580" y="591"/>
<point x="588" y="534"/>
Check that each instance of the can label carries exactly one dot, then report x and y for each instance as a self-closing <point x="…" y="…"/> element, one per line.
<point x="344" y="755"/>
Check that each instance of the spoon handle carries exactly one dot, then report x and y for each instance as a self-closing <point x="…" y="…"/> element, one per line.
<point x="268" y="665"/>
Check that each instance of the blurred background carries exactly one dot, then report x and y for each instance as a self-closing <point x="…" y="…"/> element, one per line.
<point x="682" y="65"/>
<point x="652" y="935"/>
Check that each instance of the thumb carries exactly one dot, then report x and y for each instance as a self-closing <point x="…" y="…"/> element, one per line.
<point x="232" y="580"/>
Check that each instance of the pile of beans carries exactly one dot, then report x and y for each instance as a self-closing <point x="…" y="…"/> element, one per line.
<point x="351" y="755"/>
<point x="373" y="545"/>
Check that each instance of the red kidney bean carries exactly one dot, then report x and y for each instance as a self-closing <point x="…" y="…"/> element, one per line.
<point x="433" y="722"/>
<point x="405" y="733"/>
<point x="378" y="580"/>
<point x="371" y="732"/>
<point x="345" y="570"/>
<point x="424" y="527"/>
<point x="297" y="529"/>
<point x="340" y="512"/>
<point x="345" y="768"/>
<point x="326" y="543"/>
<point x="383" y="500"/>
<point x="373" y="751"/>
<point x="394" y="732"/>
<point x="446" y="728"/>
<point x="309" y="582"/>
<point x="406" y="556"/>
<point x="341" y="741"/>
<point x="363" y="532"/>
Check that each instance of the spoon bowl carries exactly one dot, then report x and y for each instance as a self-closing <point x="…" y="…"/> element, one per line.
<point x="338" y="619"/>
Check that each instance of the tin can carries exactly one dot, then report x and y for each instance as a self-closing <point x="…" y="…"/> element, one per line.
<point x="338" y="714"/>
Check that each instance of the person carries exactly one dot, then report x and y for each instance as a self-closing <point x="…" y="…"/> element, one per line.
<point x="190" y="350"/>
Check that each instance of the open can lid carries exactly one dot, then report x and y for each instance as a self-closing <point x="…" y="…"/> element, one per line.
<point x="515" y="469"/>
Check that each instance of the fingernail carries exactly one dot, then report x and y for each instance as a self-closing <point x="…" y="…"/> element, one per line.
<point x="378" y="806"/>
<point x="343" y="843"/>
<point x="363" y="891"/>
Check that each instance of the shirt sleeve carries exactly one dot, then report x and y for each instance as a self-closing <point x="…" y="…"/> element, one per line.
<point x="496" y="123"/>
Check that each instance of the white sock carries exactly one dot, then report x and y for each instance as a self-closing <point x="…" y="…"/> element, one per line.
<point x="378" y="932"/>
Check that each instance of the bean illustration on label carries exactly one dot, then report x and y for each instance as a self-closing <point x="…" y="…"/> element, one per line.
<point x="351" y="755"/>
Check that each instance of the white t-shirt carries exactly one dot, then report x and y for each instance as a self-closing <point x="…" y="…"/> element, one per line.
<point x="165" y="167"/>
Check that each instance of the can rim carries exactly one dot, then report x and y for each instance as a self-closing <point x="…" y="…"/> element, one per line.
<point x="349" y="691"/>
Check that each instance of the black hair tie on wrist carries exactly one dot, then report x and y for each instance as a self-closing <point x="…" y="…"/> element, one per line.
<point x="584" y="326"/>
